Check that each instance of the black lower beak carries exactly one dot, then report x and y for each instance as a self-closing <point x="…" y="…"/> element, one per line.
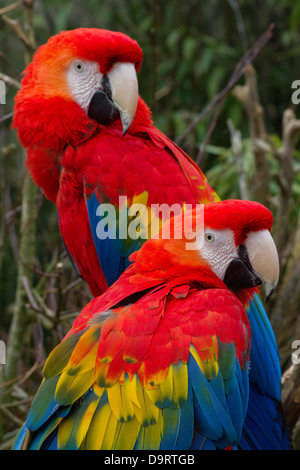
<point x="239" y="276"/>
<point x="102" y="109"/>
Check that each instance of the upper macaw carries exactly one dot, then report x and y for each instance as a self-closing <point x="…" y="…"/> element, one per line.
<point x="160" y="360"/>
<point x="90" y="139"/>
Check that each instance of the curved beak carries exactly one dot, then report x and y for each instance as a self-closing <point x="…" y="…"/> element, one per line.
<point x="264" y="259"/>
<point x="124" y="90"/>
<point x="258" y="263"/>
<point x="117" y="97"/>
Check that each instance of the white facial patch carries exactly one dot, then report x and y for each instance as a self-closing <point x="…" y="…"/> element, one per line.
<point x="218" y="249"/>
<point x="84" y="79"/>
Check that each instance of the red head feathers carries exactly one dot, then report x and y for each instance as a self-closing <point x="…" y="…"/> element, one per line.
<point x="241" y="217"/>
<point x="46" y="114"/>
<point x="233" y="231"/>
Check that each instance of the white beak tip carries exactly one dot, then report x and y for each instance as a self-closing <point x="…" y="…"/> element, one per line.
<point x="126" y="123"/>
<point x="269" y="288"/>
<point x="269" y="295"/>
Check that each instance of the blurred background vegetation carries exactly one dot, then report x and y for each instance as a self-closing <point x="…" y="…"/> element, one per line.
<point x="252" y="150"/>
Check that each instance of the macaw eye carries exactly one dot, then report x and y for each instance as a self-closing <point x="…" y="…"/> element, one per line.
<point x="209" y="237"/>
<point x="78" y="66"/>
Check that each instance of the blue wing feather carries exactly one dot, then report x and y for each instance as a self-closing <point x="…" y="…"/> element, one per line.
<point x="111" y="251"/>
<point x="43" y="405"/>
<point x="264" y="355"/>
<point x="185" y="434"/>
<point x="264" y="426"/>
<point x="215" y="412"/>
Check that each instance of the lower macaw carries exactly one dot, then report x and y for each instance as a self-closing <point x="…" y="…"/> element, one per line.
<point x="161" y="359"/>
<point x="91" y="142"/>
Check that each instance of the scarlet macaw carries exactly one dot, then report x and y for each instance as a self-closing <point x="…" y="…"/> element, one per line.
<point x="168" y="370"/>
<point x="90" y="139"/>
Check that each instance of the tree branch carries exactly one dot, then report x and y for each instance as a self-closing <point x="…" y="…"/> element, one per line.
<point x="285" y="156"/>
<point x="18" y="30"/>
<point x="287" y="299"/>
<point x="291" y="401"/>
<point x="236" y="75"/>
<point x="249" y="96"/>
<point x="236" y="142"/>
<point x="27" y="240"/>
<point x="11" y="7"/>
<point x="10" y="81"/>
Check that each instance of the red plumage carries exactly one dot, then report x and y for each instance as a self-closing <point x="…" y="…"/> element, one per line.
<point x="176" y="270"/>
<point x="70" y="157"/>
<point x="167" y="307"/>
<point x="158" y="337"/>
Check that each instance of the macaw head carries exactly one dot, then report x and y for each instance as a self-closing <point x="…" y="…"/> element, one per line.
<point x="229" y="243"/>
<point x="78" y="80"/>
